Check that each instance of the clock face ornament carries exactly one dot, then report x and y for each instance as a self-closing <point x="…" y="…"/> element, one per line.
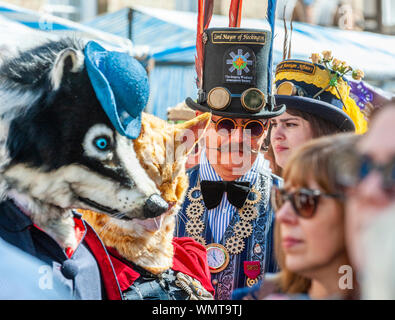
<point x="217" y="257"/>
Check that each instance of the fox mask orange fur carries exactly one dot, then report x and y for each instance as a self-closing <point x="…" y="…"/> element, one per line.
<point x="162" y="151"/>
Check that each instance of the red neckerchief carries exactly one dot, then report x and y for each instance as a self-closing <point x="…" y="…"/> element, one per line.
<point x="123" y="269"/>
<point x="102" y="257"/>
<point x="84" y="232"/>
<point x="190" y="257"/>
<point x="79" y="230"/>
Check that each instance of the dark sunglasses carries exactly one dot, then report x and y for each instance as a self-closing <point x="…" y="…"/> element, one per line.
<point x="255" y="128"/>
<point x="304" y="201"/>
<point x="356" y="167"/>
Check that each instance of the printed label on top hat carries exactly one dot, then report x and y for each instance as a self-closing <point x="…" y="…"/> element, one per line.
<point x="239" y="66"/>
<point x="296" y="66"/>
<point x="240" y="37"/>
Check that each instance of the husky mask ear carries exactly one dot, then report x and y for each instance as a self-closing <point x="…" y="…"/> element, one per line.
<point x="190" y="132"/>
<point x="68" y="60"/>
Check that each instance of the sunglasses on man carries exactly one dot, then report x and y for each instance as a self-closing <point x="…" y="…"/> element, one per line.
<point x="254" y="128"/>
<point x="304" y="201"/>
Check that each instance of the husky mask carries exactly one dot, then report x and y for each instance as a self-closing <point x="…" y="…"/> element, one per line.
<point x="61" y="150"/>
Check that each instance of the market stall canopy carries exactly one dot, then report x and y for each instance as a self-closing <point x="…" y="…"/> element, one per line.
<point x="171" y="36"/>
<point x="60" y="26"/>
<point x="20" y="36"/>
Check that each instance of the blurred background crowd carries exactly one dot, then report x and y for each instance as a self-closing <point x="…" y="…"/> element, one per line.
<point x="355" y="174"/>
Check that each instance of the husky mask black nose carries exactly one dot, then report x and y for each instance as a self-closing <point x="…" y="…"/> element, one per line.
<point x="68" y="127"/>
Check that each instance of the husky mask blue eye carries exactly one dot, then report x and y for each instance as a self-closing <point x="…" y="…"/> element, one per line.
<point x="102" y="143"/>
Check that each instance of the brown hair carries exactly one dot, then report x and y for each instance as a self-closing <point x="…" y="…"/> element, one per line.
<point x="314" y="160"/>
<point x="319" y="127"/>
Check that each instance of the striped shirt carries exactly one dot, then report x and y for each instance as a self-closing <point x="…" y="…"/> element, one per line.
<point x="219" y="217"/>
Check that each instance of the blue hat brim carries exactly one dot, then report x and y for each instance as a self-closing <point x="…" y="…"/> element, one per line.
<point x="104" y="93"/>
<point x="319" y="109"/>
<point x="128" y="123"/>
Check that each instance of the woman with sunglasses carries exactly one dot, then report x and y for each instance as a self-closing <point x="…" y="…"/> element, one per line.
<point x="318" y="104"/>
<point x="309" y="232"/>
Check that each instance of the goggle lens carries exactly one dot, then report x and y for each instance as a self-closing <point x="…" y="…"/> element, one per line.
<point x="225" y="125"/>
<point x="253" y="128"/>
<point x="253" y="100"/>
<point x="218" y="98"/>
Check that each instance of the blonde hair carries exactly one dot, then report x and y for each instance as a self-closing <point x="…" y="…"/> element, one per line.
<point x="312" y="161"/>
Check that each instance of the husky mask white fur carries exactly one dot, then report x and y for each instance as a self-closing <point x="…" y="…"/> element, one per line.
<point x="59" y="150"/>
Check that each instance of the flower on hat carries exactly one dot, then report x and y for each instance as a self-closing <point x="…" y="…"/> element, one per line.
<point x="327" y="55"/>
<point x="358" y="74"/>
<point x="344" y="68"/>
<point x="336" y="70"/>
<point x="330" y="63"/>
<point x="335" y="67"/>
<point x="315" y="58"/>
<point x="336" y="63"/>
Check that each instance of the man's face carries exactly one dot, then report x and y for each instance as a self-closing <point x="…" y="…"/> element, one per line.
<point x="237" y="150"/>
<point x="368" y="198"/>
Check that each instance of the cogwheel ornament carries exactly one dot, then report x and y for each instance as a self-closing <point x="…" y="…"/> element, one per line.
<point x="243" y="229"/>
<point x="248" y="213"/>
<point x="200" y="239"/>
<point x="194" y="210"/>
<point x="194" y="227"/>
<point x="235" y="245"/>
<point x="256" y="197"/>
<point x="194" y="194"/>
<point x="251" y="282"/>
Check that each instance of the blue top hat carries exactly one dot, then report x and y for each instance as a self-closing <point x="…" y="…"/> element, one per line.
<point x="121" y="86"/>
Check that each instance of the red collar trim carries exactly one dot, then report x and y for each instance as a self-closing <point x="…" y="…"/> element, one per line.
<point x="86" y="233"/>
<point x="80" y="231"/>
<point x="123" y="269"/>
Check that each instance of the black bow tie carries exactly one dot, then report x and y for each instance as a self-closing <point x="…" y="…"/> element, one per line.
<point x="212" y="192"/>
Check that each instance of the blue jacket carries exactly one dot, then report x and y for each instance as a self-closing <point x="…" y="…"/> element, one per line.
<point x="21" y="276"/>
<point x="258" y="246"/>
<point x="87" y="273"/>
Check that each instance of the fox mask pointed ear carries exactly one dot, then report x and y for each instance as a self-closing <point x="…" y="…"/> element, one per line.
<point x="189" y="133"/>
<point x="68" y="60"/>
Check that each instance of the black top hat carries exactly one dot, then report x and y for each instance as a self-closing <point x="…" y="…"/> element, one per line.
<point x="236" y="74"/>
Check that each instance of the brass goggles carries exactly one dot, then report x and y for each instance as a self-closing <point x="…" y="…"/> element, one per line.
<point x="252" y="99"/>
<point x="287" y="88"/>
